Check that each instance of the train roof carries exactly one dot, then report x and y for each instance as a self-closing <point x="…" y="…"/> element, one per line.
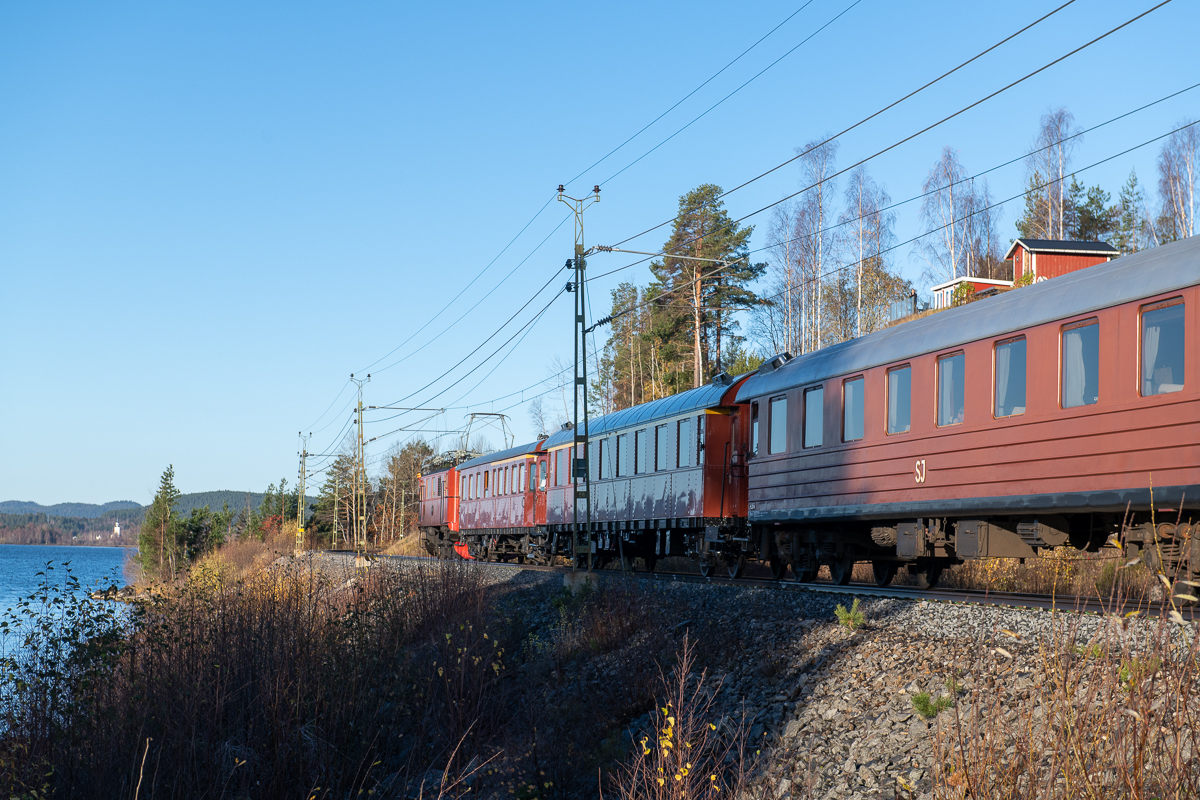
<point x="500" y="455"/>
<point x="1157" y="271"/>
<point x="707" y="396"/>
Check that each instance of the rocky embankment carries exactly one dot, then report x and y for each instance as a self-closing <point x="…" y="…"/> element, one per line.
<point x="830" y="710"/>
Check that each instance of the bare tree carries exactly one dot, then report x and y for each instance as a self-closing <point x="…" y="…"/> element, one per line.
<point x="940" y="212"/>
<point x="813" y="237"/>
<point x="1050" y="164"/>
<point x="1177" y="163"/>
<point x="776" y="323"/>
<point x="537" y="415"/>
<point x="867" y="232"/>
<point x="963" y="240"/>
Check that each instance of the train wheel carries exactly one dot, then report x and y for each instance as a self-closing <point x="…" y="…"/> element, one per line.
<point x="805" y="575"/>
<point x="884" y="571"/>
<point x="706" y="570"/>
<point x="927" y="576"/>
<point x="778" y="567"/>
<point x="736" y="566"/>
<point x="841" y="569"/>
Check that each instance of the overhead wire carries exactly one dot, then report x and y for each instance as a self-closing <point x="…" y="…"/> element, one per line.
<point x="683" y="99"/>
<point x="893" y="146"/>
<point x="735" y="91"/>
<point x="869" y="117"/>
<point x="593" y="165"/>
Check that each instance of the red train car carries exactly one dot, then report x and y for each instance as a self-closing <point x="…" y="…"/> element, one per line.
<point x="437" y="510"/>
<point x="501" y="508"/>
<point x="1042" y="417"/>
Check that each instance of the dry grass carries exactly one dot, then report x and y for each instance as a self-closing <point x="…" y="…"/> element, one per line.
<point x="282" y="684"/>
<point x="1114" y="716"/>
<point x="408" y="545"/>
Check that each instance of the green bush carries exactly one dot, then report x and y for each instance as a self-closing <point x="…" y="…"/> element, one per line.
<point x="929" y="708"/>
<point x="852" y="619"/>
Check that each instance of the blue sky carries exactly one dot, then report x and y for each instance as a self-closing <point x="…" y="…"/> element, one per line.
<point x="211" y="214"/>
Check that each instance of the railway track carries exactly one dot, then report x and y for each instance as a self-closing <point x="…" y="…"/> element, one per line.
<point x="1072" y="604"/>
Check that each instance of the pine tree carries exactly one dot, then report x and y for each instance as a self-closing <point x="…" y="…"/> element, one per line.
<point x="694" y="300"/>
<point x="160" y="540"/>
<point x="1129" y="216"/>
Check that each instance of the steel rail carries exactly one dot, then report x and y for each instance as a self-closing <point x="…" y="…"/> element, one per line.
<point x="1038" y="602"/>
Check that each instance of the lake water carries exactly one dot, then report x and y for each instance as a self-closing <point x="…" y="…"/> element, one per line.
<point x="21" y="563"/>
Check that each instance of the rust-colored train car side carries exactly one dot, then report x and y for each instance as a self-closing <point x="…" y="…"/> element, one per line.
<point x="920" y="444"/>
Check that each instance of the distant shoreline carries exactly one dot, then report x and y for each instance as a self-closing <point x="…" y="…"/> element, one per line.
<point x="70" y="544"/>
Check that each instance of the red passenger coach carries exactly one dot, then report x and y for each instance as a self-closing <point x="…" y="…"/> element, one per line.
<point x="1035" y="419"/>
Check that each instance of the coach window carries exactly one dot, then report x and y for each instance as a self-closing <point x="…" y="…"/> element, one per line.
<point x="1010" y="377"/>
<point x="545" y="465"/>
<point x="1081" y="364"/>
<point x="660" y="448"/>
<point x="606" y="458"/>
<point x="753" y="429"/>
<point x="899" y="409"/>
<point x="532" y="476"/>
<point x="685" y="442"/>
<point x="814" y="416"/>
<point x="951" y="399"/>
<point x="462" y="492"/>
<point x="778" y="443"/>
<point x="639" y="452"/>
<point x="1162" y="348"/>
<point x="852" y="409"/>
<point x="699" y="443"/>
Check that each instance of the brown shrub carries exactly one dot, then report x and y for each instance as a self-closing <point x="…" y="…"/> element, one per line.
<point x="1115" y="716"/>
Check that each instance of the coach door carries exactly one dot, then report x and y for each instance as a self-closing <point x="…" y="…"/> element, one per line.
<point x="541" y="481"/>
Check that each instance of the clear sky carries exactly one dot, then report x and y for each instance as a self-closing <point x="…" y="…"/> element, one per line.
<point x="212" y="213"/>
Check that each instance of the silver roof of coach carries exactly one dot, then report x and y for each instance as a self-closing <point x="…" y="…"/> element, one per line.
<point x="707" y="396"/>
<point x="1151" y="272"/>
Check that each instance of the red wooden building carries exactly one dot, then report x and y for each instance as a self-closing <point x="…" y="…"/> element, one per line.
<point x="1050" y="258"/>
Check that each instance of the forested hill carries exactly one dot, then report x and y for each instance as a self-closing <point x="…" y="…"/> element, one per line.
<point x="128" y="511"/>
<point x="85" y="510"/>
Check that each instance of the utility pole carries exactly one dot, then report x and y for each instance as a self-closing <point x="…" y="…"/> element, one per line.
<point x="300" y="496"/>
<point x="337" y="489"/>
<point x="360" y="474"/>
<point x="580" y="471"/>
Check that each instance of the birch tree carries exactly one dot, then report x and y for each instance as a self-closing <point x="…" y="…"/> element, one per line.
<point x="813" y="235"/>
<point x="1050" y="161"/>
<point x="1177" y="163"/>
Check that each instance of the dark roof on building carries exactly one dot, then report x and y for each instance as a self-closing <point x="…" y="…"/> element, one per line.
<point x="1151" y="272"/>
<point x="1063" y="246"/>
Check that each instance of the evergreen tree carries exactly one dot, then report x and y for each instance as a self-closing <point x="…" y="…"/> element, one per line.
<point x="160" y="538"/>
<point x="1129" y="216"/>
<point x="694" y="301"/>
<point x="337" y="494"/>
<point x="1032" y="222"/>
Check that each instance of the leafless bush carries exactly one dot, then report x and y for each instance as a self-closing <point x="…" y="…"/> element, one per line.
<point x="692" y="752"/>
<point x="1114" y="716"/>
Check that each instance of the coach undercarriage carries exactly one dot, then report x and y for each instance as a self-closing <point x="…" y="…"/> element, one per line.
<point x="723" y="547"/>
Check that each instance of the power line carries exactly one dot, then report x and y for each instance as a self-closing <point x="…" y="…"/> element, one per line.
<point x="878" y="253"/>
<point x="893" y="146"/>
<point x="679" y="102"/>
<point x="866" y="119"/>
<point x="977" y="175"/>
<point x="735" y="91"/>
